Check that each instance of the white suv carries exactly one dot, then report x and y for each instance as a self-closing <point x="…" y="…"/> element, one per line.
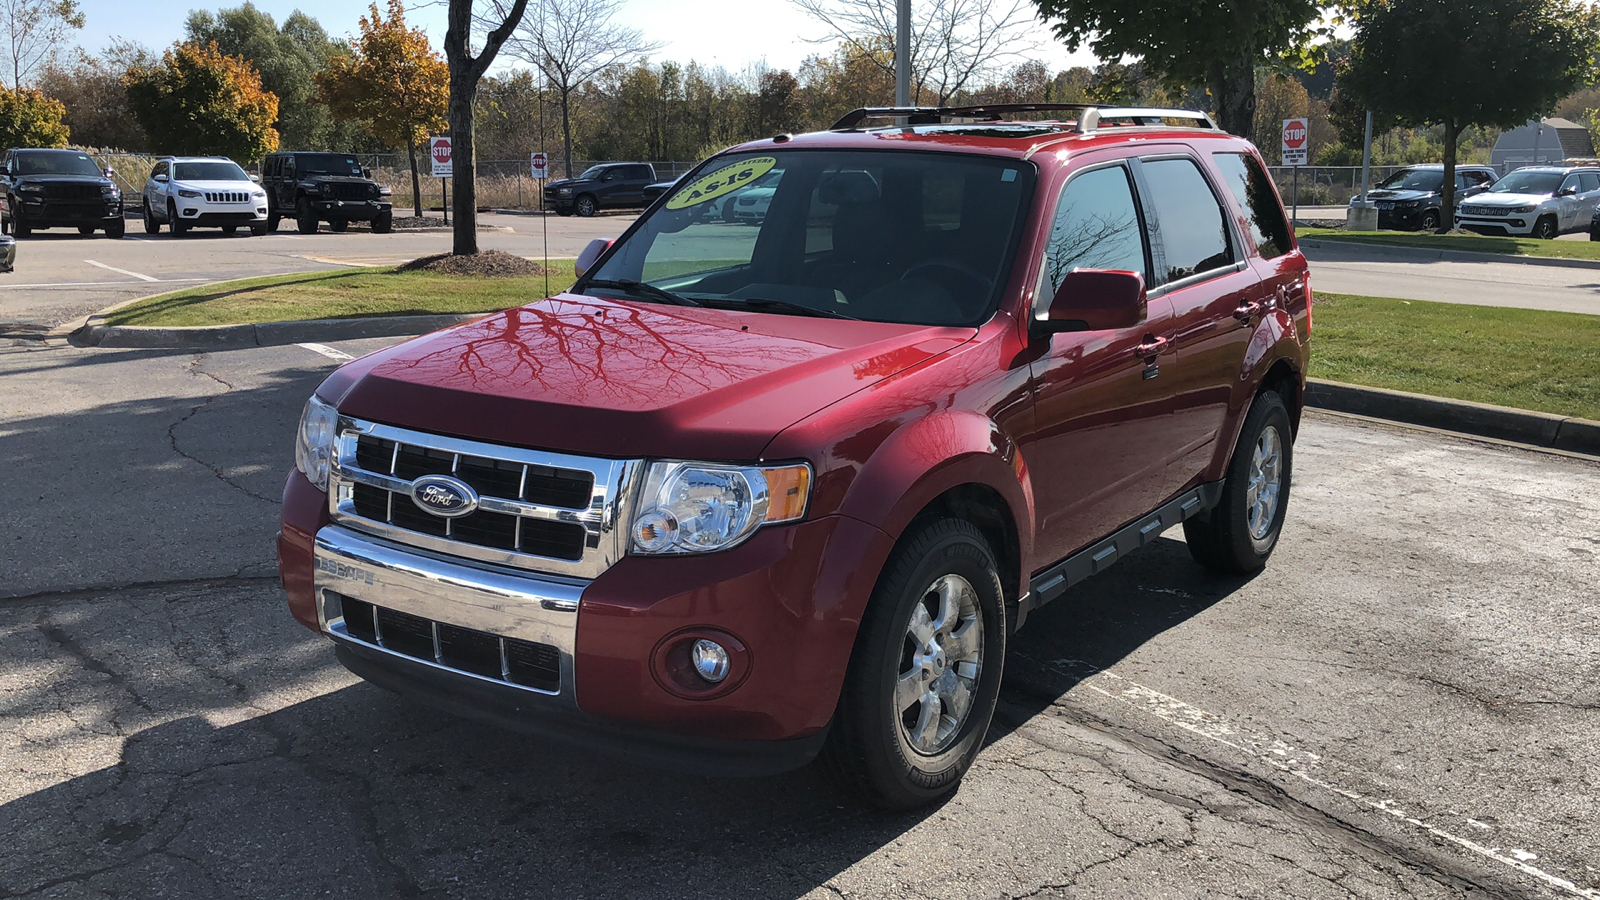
<point x="1542" y="201"/>
<point x="188" y="191"/>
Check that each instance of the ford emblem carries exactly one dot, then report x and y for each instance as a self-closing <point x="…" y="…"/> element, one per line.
<point x="444" y="496"/>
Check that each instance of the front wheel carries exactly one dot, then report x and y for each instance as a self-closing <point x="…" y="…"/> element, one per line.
<point x="86" y="230"/>
<point x="177" y="225"/>
<point x="1546" y="229"/>
<point x="19" y="226"/>
<point x="116" y="228"/>
<point x="1430" y="220"/>
<point x="305" y="218"/>
<point x="229" y="229"/>
<point x="152" y="225"/>
<point x="586" y="206"/>
<point x="1237" y="535"/>
<point x="925" y="675"/>
<point x="383" y="224"/>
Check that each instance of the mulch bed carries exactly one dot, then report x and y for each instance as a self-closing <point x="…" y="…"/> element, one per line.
<point x="487" y="264"/>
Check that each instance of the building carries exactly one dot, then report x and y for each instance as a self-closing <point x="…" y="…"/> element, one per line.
<point x="1546" y="142"/>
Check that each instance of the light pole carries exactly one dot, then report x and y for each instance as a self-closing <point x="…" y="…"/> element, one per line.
<point x="902" y="54"/>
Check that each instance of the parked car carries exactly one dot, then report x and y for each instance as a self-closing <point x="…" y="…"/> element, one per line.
<point x="185" y="192"/>
<point x="1413" y="197"/>
<point x="57" y="189"/>
<point x="607" y="186"/>
<point x="323" y="187"/>
<point x="1542" y="201"/>
<point x="740" y="498"/>
<point x="8" y="253"/>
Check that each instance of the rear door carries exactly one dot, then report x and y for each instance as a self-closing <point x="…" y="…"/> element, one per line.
<point x="1588" y="196"/>
<point x="1568" y="201"/>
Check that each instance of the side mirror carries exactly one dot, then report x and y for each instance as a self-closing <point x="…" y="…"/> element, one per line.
<point x="161" y="178"/>
<point x="256" y="178"/>
<point x="1096" y="300"/>
<point x="367" y="174"/>
<point x="590" y="254"/>
<point x="1568" y="192"/>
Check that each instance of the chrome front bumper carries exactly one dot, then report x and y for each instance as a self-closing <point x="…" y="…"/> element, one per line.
<point x="520" y="607"/>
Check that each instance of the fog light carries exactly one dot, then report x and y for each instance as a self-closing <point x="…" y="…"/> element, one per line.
<point x="710" y="660"/>
<point x="655" y="531"/>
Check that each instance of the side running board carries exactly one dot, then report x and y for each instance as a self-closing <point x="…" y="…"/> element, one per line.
<point x="1097" y="557"/>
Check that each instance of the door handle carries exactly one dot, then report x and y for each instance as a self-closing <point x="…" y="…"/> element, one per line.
<point x="1247" y="311"/>
<point x="1152" y="347"/>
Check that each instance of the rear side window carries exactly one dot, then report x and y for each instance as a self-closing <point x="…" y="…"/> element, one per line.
<point x="1096" y="227"/>
<point x="1253" y="189"/>
<point x="1194" y="231"/>
<point x="1588" y="181"/>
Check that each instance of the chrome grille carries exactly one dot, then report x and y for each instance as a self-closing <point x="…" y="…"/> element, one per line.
<point x="528" y="664"/>
<point x="227" y="197"/>
<point x="1482" y="211"/>
<point x="541" y="511"/>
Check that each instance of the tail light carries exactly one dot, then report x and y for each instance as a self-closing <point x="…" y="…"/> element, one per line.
<point x="1306" y="281"/>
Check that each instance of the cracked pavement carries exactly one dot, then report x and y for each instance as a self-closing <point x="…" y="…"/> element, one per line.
<point x="1421" y="650"/>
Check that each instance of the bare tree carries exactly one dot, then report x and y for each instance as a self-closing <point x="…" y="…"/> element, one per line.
<point x="32" y="30"/>
<point x="953" y="42"/>
<point x="466" y="71"/>
<point x="571" y="42"/>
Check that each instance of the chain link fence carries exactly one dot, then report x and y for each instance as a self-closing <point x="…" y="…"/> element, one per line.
<point x="1325" y="185"/>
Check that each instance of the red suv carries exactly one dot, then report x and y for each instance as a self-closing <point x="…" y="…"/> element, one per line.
<point x="760" y="490"/>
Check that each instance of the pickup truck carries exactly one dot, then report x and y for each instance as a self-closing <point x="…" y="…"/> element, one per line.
<point x="606" y="186"/>
<point x="753" y="494"/>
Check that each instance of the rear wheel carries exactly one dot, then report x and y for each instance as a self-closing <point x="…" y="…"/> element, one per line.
<point x="925" y="675"/>
<point x="1237" y="535"/>
<point x="305" y="219"/>
<point x="273" y="219"/>
<point x="383" y="224"/>
<point x="1546" y="229"/>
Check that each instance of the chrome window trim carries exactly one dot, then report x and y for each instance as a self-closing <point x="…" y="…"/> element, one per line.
<point x="614" y="482"/>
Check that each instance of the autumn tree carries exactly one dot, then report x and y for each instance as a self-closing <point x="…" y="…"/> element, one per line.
<point x="571" y="43"/>
<point x="96" y="100"/>
<point x="30" y="119"/>
<point x="31" y="31"/>
<point x="202" y="102"/>
<point x="845" y="79"/>
<point x="466" y="70"/>
<point x="392" y="83"/>
<point x="1450" y="63"/>
<point x="1195" y="42"/>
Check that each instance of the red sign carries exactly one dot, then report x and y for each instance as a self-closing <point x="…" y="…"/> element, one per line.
<point x="1294" y="134"/>
<point x="439" y="152"/>
<point x="540" y="164"/>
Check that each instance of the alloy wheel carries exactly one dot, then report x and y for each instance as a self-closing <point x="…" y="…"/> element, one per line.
<point x="940" y="663"/>
<point x="1266" y="481"/>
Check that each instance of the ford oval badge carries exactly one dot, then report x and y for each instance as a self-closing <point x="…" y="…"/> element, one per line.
<point x="444" y="496"/>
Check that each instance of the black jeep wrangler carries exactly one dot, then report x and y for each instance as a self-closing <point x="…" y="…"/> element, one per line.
<point x="325" y="187"/>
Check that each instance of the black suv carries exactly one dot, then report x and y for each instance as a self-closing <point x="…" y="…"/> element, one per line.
<point x="1413" y="197"/>
<point x="326" y="187"/>
<point x="57" y="189"/>
<point x="608" y="186"/>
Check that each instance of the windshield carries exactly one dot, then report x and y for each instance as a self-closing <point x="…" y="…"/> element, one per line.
<point x="326" y="164"/>
<point x="1414" y="180"/>
<point x="593" y="172"/>
<point x="918" y="238"/>
<point x="1528" y="183"/>
<point x="221" y="170"/>
<point x="57" y="164"/>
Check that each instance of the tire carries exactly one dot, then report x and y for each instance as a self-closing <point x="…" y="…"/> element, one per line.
<point x="383" y="224"/>
<point x="86" y="230"/>
<point x="273" y="219"/>
<point x="116" y="229"/>
<point x="20" y="227"/>
<point x="878" y="748"/>
<point x="152" y="225"/>
<point x="1237" y="535"/>
<point x="338" y="226"/>
<point x="1594" y="234"/>
<point x="178" y="226"/>
<point x="1546" y="229"/>
<point x="229" y="229"/>
<point x="1430" y="220"/>
<point x="586" y="206"/>
<point x="305" y="219"/>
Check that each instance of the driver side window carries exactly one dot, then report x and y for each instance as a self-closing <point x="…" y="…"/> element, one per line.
<point x="1096" y="226"/>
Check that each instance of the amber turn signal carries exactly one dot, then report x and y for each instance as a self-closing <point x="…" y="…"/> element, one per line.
<point x="787" y="490"/>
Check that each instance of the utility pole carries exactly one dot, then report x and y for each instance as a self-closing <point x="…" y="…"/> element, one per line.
<point x="902" y="54"/>
<point x="1363" y="216"/>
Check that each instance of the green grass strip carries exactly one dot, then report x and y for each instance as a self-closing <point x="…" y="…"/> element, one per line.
<point x="1471" y="243"/>
<point x="1523" y="358"/>
<point x="344" y="294"/>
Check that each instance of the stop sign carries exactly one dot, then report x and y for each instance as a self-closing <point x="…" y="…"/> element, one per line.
<point x="1294" y="134"/>
<point x="540" y="164"/>
<point x="439" y="151"/>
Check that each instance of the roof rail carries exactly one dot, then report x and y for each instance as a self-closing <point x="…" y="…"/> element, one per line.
<point x="1089" y="118"/>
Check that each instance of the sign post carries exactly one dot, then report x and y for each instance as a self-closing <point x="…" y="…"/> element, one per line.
<point x="1296" y="148"/>
<point x="439" y="151"/>
<point x="539" y="164"/>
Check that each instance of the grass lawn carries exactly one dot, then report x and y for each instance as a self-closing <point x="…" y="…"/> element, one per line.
<point x="1472" y="243"/>
<point x="1529" y="359"/>
<point x="343" y="294"/>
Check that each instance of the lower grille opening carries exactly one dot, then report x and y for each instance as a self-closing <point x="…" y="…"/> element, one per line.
<point x="525" y="663"/>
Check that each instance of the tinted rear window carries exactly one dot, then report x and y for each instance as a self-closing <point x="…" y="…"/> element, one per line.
<point x="1253" y="189"/>
<point x="1194" y="232"/>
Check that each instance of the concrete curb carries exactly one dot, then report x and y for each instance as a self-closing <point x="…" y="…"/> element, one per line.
<point x="1424" y="254"/>
<point x="266" y="334"/>
<point x="1522" y="426"/>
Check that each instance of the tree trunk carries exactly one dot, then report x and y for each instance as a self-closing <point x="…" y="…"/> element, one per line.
<point x="1447" y="206"/>
<point x="463" y="166"/>
<point x="1233" y="89"/>
<point x="566" y="128"/>
<point x="416" y="184"/>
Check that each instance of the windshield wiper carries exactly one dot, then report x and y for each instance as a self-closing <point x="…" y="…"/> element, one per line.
<point x="640" y="287"/>
<point x="766" y="305"/>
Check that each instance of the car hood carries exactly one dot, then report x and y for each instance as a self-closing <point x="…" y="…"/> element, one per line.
<point x="621" y="379"/>
<point x="567" y="182"/>
<point x="245" y="186"/>
<point x="1497" y="200"/>
<point x="1380" y="194"/>
<point x="61" y="179"/>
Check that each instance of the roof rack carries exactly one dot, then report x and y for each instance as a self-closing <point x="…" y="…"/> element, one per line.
<point x="1089" y="118"/>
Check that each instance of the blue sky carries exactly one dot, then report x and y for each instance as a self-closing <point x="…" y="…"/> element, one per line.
<point x="772" y="30"/>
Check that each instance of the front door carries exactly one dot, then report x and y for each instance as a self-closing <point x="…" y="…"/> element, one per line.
<point x="1101" y="405"/>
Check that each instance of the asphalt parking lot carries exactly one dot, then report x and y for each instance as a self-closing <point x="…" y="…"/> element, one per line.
<point x="1406" y="703"/>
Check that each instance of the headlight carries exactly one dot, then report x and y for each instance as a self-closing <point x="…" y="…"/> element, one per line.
<point x="313" y="442"/>
<point x="1524" y="209"/>
<point x="185" y="192"/>
<point x="110" y="190"/>
<point x="383" y="191"/>
<point x="30" y="188"/>
<point x="259" y="195"/>
<point x="690" y="507"/>
<point x="1408" y="204"/>
<point x="564" y="191"/>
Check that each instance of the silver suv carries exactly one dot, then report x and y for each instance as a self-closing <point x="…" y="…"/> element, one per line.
<point x="1542" y="201"/>
<point x="188" y="191"/>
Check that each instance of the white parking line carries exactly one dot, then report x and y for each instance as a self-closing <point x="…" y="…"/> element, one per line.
<point x="65" y="284"/>
<point x="121" y="271"/>
<point x="327" y="351"/>
<point x="1287" y="759"/>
